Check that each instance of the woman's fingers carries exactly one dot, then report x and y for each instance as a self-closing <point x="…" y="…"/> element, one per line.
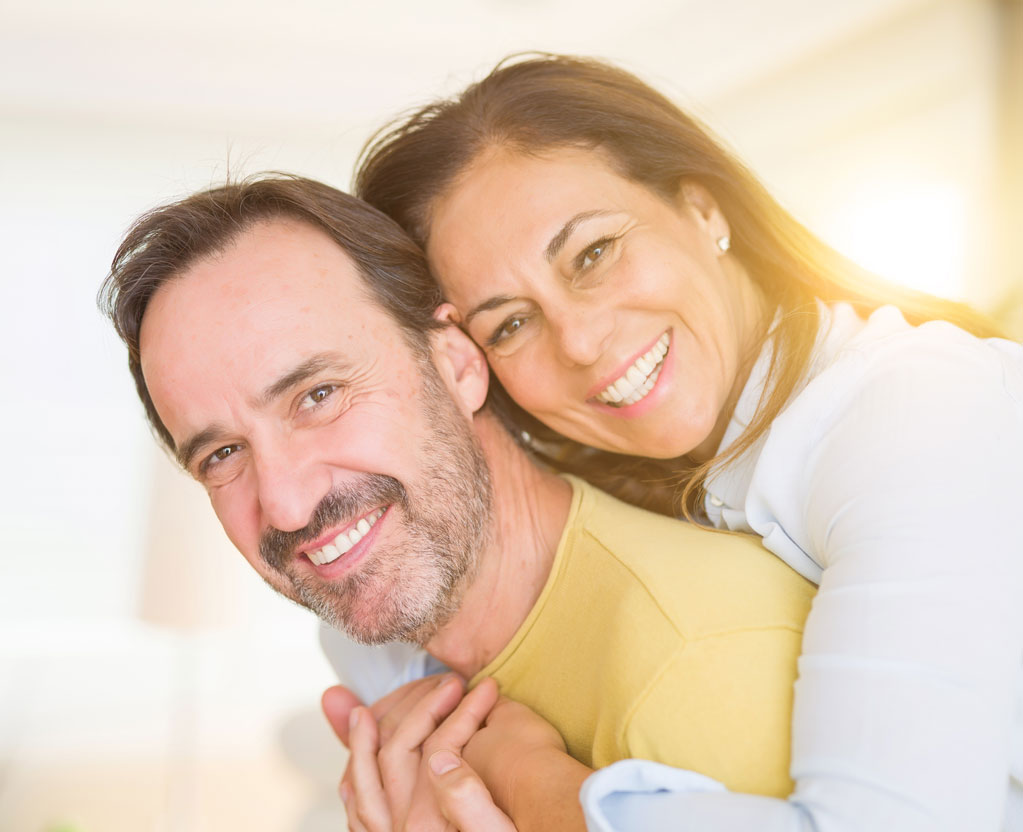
<point x="367" y="804"/>
<point x="462" y="797"/>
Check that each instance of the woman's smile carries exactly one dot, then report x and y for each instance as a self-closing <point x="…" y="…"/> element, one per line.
<point x="609" y="312"/>
<point x="633" y="385"/>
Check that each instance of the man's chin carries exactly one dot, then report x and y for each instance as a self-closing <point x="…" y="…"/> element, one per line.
<point x="373" y="622"/>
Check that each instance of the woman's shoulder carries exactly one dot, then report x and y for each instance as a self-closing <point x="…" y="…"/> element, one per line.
<point x="893" y="421"/>
<point x="893" y="399"/>
<point x="862" y="362"/>
<point x="886" y="341"/>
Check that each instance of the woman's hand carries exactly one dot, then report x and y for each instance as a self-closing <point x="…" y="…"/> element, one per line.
<point x="521" y="759"/>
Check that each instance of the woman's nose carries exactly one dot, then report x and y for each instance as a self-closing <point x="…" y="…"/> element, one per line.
<point x="582" y="333"/>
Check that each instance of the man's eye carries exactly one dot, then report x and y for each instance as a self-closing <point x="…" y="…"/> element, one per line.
<point x="506" y="330"/>
<point x="221" y="454"/>
<point x="318" y="395"/>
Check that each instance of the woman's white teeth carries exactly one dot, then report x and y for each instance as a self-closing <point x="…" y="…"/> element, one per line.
<point x="346" y="540"/>
<point x="639" y="379"/>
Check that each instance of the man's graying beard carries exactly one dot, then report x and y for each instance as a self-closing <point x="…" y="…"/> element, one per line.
<point x="408" y="590"/>
<point x="337" y="508"/>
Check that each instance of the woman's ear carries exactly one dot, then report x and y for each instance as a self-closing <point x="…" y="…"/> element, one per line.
<point x="702" y="206"/>
<point x="461" y="365"/>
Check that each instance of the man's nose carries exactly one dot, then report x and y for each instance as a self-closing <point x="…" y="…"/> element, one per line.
<point x="290" y="487"/>
<point x="582" y="332"/>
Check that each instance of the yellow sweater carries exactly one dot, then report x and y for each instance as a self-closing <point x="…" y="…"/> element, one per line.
<point x="655" y="638"/>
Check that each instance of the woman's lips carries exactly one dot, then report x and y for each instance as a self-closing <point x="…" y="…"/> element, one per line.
<point x="638" y="379"/>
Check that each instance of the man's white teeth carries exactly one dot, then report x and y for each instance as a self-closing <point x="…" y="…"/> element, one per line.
<point x="639" y="379"/>
<point x="346" y="540"/>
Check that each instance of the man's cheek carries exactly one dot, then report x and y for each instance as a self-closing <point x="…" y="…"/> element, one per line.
<point x="241" y="527"/>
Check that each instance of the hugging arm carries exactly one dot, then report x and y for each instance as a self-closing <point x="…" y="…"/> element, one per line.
<point x="903" y="713"/>
<point x="903" y="716"/>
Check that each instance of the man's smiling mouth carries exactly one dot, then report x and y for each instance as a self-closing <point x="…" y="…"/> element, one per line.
<point x="634" y="384"/>
<point x="344" y="542"/>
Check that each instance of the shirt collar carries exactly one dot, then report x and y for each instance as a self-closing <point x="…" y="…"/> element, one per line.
<point x="728" y="485"/>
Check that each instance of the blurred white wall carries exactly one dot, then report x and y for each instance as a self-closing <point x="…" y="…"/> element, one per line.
<point x="873" y="121"/>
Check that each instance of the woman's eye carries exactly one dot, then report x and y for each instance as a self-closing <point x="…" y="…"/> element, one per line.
<point x="506" y="330"/>
<point x="588" y="256"/>
<point x="318" y="395"/>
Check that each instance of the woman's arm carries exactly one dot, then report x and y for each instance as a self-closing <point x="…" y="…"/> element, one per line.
<point x="522" y="760"/>
<point x="906" y="489"/>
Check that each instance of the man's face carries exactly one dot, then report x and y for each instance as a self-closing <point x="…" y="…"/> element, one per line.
<point x="334" y="456"/>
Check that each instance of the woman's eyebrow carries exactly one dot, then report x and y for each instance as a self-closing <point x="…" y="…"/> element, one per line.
<point x="486" y="306"/>
<point x="553" y="249"/>
<point x="558" y="240"/>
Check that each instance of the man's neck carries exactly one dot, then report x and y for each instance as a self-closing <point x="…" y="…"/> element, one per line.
<point x="529" y="514"/>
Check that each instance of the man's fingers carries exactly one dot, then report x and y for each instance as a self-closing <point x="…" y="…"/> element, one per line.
<point x="370" y="802"/>
<point x="400" y="755"/>
<point x="462" y="797"/>
<point x="351" y="809"/>
<point x="465" y="720"/>
<point x="337" y="703"/>
<point x="390" y="712"/>
<point x="414" y="689"/>
<point x="422" y="717"/>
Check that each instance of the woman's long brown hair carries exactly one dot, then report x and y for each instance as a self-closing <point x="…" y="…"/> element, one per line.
<point x="537" y="103"/>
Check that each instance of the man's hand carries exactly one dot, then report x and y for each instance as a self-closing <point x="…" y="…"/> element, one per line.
<point x="385" y="786"/>
<point x="463" y="798"/>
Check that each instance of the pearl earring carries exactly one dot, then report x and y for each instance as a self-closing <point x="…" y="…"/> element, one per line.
<point x="724" y="243"/>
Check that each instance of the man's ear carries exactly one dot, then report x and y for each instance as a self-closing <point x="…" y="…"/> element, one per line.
<point x="702" y="206"/>
<point x="462" y="366"/>
<point x="446" y="312"/>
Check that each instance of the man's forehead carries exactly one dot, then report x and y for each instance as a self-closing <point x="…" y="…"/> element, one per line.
<point x="281" y="293"/>
<point x="274" y="274"/>
<point x="279" y="258"/>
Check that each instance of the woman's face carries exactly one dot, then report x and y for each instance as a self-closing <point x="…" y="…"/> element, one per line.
<point x="608" y="312"/>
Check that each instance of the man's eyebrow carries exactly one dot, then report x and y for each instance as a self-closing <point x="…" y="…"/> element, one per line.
<point x="308" y="368"/>
<point x="190" y="447"/>
<point x="558" y="240"/>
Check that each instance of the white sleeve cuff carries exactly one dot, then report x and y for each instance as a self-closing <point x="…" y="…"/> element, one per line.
<point x="606" y="796"/>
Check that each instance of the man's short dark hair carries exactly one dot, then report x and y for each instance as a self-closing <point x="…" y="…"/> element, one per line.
<point x="164" y="243"/>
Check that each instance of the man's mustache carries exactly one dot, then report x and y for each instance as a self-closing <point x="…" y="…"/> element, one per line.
<point x="338" y="508"/>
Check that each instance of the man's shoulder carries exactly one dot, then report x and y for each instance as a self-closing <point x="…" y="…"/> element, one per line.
<point x="648" y="540"/>
<point x="702" y="580"/>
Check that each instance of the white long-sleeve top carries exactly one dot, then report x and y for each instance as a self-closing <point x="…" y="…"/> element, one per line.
<point x="894" y="479"/>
